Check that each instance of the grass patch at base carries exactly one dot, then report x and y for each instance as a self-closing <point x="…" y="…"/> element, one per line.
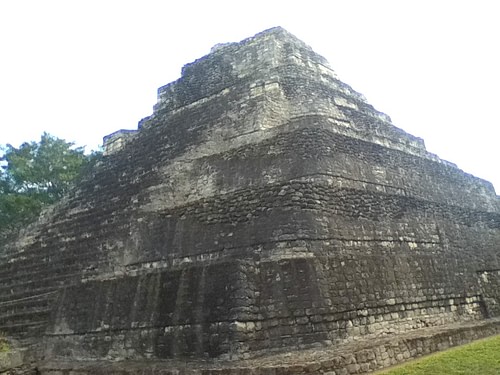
<point x="481" y="357"/>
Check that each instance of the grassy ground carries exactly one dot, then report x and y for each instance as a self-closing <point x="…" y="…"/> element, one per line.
<point x="479" y="358"/>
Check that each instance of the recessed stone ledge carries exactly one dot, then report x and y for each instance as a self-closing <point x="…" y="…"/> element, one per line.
<point x="358" y="357"/>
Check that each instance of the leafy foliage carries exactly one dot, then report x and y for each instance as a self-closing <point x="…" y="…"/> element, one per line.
<point x="37" y="174"/>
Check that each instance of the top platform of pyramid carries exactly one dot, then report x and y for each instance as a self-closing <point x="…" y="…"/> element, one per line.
<point x="290" y="77"/>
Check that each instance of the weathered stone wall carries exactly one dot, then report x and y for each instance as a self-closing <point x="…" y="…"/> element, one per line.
<point x="115" y="141"/>
<point x="263" y="206"/>
<point x="490" y="289"/>
<point x="352" y="358"/>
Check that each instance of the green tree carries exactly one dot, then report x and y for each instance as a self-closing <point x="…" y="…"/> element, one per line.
<point x="37" y="174"/>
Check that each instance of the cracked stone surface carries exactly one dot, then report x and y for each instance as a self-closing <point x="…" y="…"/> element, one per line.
<point x="363" y="355"/>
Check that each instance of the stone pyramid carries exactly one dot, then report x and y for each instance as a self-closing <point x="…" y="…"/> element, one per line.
<point x="264" y="206"/>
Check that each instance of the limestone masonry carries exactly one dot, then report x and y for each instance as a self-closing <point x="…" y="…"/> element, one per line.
<point x="264" y="207"/>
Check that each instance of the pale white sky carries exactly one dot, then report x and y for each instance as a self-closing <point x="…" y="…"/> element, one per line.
<point x="83" y="69"/>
